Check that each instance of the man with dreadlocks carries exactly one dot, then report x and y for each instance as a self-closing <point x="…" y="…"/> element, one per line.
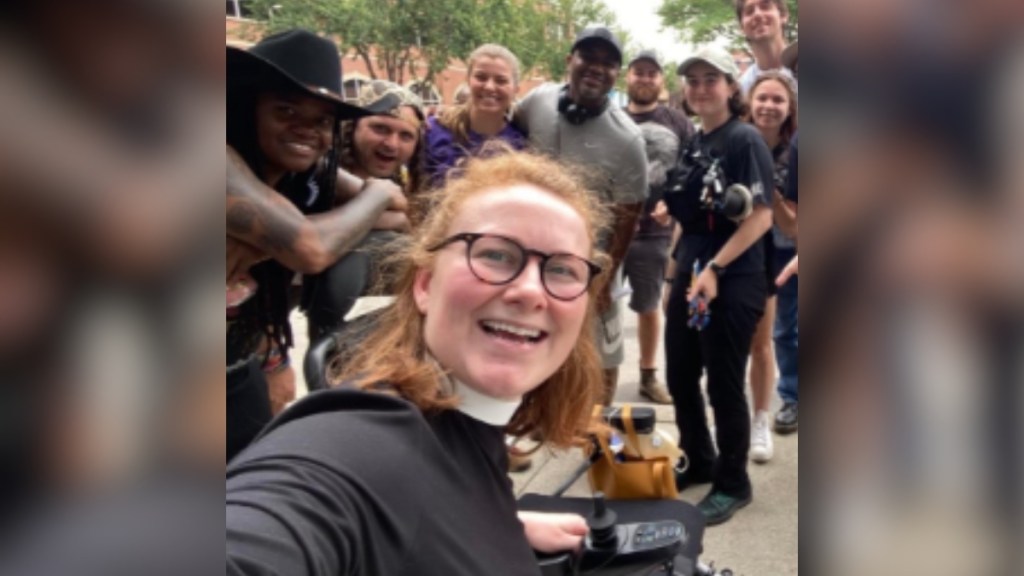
<point x="283" y="143"/>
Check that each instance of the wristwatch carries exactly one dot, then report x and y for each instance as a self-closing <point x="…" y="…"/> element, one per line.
<point x="718" y="270"/>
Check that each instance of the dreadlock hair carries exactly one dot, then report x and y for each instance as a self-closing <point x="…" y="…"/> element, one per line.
<point x="270" y="305"/>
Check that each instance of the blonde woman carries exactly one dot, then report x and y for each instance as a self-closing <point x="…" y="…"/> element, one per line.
<point x="461" y="131"/>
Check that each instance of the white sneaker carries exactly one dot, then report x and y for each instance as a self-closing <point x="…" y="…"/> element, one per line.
<point x="761" y="438"/>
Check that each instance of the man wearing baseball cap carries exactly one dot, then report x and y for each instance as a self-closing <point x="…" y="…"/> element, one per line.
<point x="576" y="122"/>
<point x="644" y="265"/>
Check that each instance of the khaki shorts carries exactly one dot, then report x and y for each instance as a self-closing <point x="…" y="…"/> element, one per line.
<point x="608" y="331"/>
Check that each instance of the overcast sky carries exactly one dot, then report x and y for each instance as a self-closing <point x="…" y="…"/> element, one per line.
<point x="640" y="18"/>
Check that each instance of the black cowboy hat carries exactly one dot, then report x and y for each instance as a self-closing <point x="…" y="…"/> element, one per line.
<point x="296" y="58"/>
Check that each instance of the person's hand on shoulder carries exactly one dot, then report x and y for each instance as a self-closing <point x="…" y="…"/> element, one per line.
<point x="395" y="217"/>
<point x="398" y="201"/>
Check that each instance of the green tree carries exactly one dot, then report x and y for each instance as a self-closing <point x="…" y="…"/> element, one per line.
<point x="560" y="21"/>
<point x="703" y="21"/>
<point x="388" y="35"/>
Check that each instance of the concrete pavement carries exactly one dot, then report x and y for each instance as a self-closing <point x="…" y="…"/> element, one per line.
<point x="760" y="540"/>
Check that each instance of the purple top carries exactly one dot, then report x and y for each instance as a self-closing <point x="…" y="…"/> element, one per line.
<point x="443" y="152"/>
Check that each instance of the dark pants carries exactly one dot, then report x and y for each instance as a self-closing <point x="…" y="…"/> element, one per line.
<point x="722" y="349"/>
<point x="332" y="293"/>
<point x="786" y="332"/>
<point x="248" y="406"/>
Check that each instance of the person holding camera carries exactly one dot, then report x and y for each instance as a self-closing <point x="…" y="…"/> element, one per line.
<point x="401" y="469"/>
<point x="719" y="196"/>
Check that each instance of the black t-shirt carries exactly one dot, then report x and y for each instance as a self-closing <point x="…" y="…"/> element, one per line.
<point x="681" y="126"/>
<point x="348" y="482"/>
<point x="744" y="159"/>
<point x="792" y="180"/>
<point x="670" y="118"/>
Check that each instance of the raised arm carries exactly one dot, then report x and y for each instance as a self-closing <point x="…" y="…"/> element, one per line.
<point x="259" y="216"/>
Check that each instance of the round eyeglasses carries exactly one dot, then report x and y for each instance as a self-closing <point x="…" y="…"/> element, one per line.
<point x="498" y="260"/>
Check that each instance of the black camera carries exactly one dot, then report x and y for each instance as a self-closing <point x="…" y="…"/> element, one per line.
<point x="734" y="201"/>
<point x="781" y="176"/>
<point x="698" y="183"/>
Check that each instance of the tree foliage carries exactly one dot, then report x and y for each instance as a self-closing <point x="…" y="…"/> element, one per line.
<point x="561" y="19"/>
<point x="390" y="35"/>
<point x="387" y="35"/>
<point x="703" y="21"/>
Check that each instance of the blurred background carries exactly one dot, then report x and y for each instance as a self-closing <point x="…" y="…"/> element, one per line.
<point x="913" y="286"/>
<point x="111" y="243"/>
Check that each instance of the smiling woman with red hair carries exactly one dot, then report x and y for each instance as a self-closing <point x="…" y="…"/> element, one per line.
<point x="402" y="467"/>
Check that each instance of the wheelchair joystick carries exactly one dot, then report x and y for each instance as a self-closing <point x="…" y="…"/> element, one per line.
<point x="602" y="525"/>
<point x="613" y="549"/>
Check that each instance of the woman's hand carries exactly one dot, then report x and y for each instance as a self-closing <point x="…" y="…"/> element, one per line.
<point x="706" y="284"/>
<point x="553" y="532"/>
<point x="792" y="268"/>
<point x="660" y="214"/>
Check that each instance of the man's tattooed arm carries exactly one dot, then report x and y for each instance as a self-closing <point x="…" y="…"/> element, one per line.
<point x="259" y="216"/>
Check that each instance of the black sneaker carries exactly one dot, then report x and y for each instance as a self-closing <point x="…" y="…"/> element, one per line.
<point x="686" y="479"/>
<point x="786" y="419"/>
<point x="717" y="507"/>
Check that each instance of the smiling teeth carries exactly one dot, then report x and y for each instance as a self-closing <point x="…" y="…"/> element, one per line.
<point x="523" y="332"/>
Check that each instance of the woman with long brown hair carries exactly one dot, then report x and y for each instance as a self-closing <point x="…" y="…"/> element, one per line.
<point x="773" y="111"/>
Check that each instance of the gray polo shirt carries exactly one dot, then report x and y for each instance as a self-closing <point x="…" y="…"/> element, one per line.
<point x="610" y="143"/>
<point x="611" y="148"/>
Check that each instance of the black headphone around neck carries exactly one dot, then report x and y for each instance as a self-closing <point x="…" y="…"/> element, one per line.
<point x="575" y="113"/>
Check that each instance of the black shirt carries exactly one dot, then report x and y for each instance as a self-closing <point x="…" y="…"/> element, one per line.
<point x="670" y="118"/>
<point x="348" y="482"/>
<point x="792" y="180"/>
<point x="745" y="159"/>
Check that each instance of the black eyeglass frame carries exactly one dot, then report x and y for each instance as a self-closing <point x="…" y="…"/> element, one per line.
<point x="470" y="237"/>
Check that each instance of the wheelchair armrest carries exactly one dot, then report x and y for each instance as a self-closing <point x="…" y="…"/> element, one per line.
<point x="629" y="511"/>
<point x="314" y="365"/>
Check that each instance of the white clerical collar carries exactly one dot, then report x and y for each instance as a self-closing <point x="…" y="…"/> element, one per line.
<point x="476" y="405"/>
<point x="493" y="411"/>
